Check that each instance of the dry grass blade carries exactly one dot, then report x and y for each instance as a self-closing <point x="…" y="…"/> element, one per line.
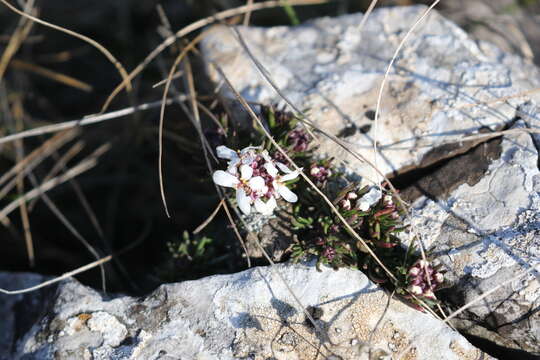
<point x="73" y="172"/>
<point x="38" y="155"/>
<point x="209" y="219"/>
<point x="535" y="268"/>
<point x="60" y="164"/>
<point x="235" y="229"/>
<point x="498" y="100"/>
<point x="387" y="72"/>
<point x="93" y="119"/>
<point x="366" y="16"/>
<point x="377" y="114"/>
<point x="247" y="17"/>
<point x="196" y="26"/>
<point x="29" y="166"/>
<point x="164" y="81"/>
<point x="53" y="75"/>
<point x="266" y="75"/>
<point x="19" y="154"/>
<point x="67" y="275"/>
<point x="63" y="219"/>
<point x="177" y="61"/>
<point x="77" y="271"/>
<point x="16" y="40"/>
<point x="98" y="46"/>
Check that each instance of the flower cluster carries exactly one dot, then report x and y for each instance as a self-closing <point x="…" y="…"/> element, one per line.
<point x="299" y="140"/>
<point x="424" y="279"/>
<point x="320" y="173"/>
<point x="256" y="178"/>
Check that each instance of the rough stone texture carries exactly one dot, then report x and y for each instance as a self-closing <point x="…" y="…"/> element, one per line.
<point x="506" y="23"/>
<point x="247" y="315"/>
<point x="327" y="67"/>
<point x="486" y="233"/>
<point x="19" y="312"/>
<point x="484" y="226"/>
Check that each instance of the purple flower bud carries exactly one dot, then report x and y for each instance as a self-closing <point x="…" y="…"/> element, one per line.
<point x="329" y="253"/>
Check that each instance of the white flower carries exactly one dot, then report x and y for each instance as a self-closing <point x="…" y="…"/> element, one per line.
<point x="245" y="156"/>
<point x="266" y="208"/>
<point x="279" y="180"/>
<point x="246" y="181"/>
<point x="260" y="191"/>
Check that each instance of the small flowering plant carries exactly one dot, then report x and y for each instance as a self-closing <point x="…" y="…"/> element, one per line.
<point x="258" y="179"/>
<point x="423" y="279"/>
<point x="262" y="180"/>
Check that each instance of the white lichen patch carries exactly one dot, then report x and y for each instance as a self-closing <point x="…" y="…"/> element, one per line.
<point x="114" y="332"/>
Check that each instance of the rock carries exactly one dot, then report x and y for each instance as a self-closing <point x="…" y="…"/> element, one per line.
<point x="478" y="207"/>
<point x="246" y="315"/>
<point x="19" y="312"/>
<point x="516" y="28"/>
<point x="328" y="67"/>
<point x="487" y="231"/>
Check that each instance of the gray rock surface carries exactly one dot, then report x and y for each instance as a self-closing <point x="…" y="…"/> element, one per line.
<point x="248" y="315"/>
<point x="482" y="220"/>
<point x="330" y="68"/>
<point x="486" y="233"/>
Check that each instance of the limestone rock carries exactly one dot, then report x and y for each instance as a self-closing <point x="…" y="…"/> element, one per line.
<point x="249" y="315"/>
<point x="481" y="215"/>
<point x="487" y="232"/>
<point x="329" y="67"/>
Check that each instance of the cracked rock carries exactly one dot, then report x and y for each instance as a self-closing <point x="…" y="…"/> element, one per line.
<point x="246" y="315"/>
<point x="485" y="234"/>
<point x="329" y="67"/>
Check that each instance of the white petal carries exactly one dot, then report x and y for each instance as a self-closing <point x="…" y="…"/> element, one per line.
<point x="265" y="208"/>
<point x="232" y="169"/>
<point x="283" y="167"/>
<point x="248" y="159"/>
<point x="249" y="149"/>
<point x="292" y="175"/>
<point x="271" y="169"/>
<point x="287" y="194"/>
<point x="246" y="172"/>
<point x="275" y="185"/>
<point x="224" y="178"/>
<point x="257" y="183"/>
<point x="265" y="156"/>
<point x="224" y="152"/>
<point x="244" y="202"/>
<point x="364" y="206"/>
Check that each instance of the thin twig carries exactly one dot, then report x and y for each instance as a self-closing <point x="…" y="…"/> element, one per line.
<point x="84" y="38"/>
<point x="50" y="74"/>
<point x="74" y="171"/>
<point x="71" y="273"/>
<point x="88" y="120"/>
<point x="162" y="119"/>
<point x="209" y="219"/>
<point x="387" y="72"/>
<point x="21" y="32"/>
<point x="196" y="26"/>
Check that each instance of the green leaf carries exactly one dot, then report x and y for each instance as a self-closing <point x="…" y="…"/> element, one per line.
<point x="290" y="12"/>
